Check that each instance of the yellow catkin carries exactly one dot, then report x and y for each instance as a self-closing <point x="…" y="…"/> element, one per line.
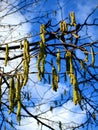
<point x="18" y="88"/>
<point x="76" y="96"/>
<point x="38" y="68"/>
<point x="69" y="65"/>
<point x="21" y="80"/>
<point x="86" y="56"/>
<point x="18" y="97"/>
<point x="42" y="53"/>
<point x="73" y="20"/>
<point x="75" y="91"/>
<point x="39" y="75"/>
<point x="19" y="111"/>
<point x="41" y="60"/>
<point x="75" y="35"/>
<point x="26" y="57"/>
<point x="71" y="78"/>
<point x="93" y="56"/>
<point x="43" y="66"/>
<point x="54" y="79"/>
<point x="42" y="49"/>
<point x="42" y="32"/>
<point x="81" y="64"/>
<point x="26" y="50"/>
<point x="26" y="73"/>
<point x="11" y="95"/>
<point x="58" y="59"/>
<point x="63" y="26"/>
<point x="6" y="55"/>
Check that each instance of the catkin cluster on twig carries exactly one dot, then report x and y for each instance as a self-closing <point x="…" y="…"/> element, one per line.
<point x="42" y="53"/>
<point x="73" y="79"/>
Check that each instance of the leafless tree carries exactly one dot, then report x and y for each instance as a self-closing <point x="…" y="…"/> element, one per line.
<point x="57" y="51"/>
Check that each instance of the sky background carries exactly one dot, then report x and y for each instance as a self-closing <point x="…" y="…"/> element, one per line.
<point x="43" y="93"/>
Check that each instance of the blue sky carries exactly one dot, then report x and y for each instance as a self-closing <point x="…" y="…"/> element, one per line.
<point x="42" y="93"/>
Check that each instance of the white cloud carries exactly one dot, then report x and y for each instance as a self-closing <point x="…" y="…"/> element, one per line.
<point x="68" y="113"/>
<point x="12" y="28"/>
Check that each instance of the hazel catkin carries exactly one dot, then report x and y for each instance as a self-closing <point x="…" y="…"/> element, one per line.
<point x="6" y="55"/>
